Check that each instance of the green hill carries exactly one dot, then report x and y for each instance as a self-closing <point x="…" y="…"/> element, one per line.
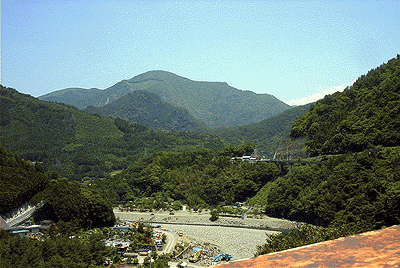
<point x="20" y="182"/>
<point x="265" y="135"/>
<point x="198" y="178"/>
<point x="359" y="188"/>
<point x="79" y="144"/>
<point x="149" y="110"/>
<point x="366" y="114"/>
<point x="215" y="103"/>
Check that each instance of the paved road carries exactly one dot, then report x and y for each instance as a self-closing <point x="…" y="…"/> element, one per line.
<point x="172" y="239"/>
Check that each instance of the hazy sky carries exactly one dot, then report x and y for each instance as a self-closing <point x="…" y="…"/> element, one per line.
<point x="290" y="49"/>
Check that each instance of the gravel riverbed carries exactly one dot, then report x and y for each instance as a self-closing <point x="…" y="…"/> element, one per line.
<point x="241" y="243"/>
<point x="238" y="242"/>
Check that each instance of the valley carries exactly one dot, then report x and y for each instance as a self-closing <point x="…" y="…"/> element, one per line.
<point x="195" y="180"/>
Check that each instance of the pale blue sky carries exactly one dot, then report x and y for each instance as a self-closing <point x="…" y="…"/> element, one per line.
<point x="290" y="49"/>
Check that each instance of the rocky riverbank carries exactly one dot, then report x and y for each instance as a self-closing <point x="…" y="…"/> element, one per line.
<point x="192" y="218"/>
<point x="232" y="235"/>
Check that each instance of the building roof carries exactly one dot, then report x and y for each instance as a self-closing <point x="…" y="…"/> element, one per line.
<point x="22" y="231"/>
<point x="379" y="248"/>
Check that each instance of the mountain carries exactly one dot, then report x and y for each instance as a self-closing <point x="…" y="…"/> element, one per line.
<point x="148" y="109"/>
<point x="265" y="135"/>
<point x="78" y="144"/>
<point x="215" y="103"/>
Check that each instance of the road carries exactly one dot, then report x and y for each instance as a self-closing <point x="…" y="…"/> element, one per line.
<point x="172" y="239"/>
<point x="21" y="217"/>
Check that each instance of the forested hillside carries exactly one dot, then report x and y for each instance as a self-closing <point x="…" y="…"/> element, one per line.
<point x="148" y="109"/>
<point x="20" y="181"/>
<point x="198" y="178"/>
<point x="215" y="103"/>
<point x="359" y="188"/>
<point x="78" y="144"/>
<point x="34" y="127"/>
<point x="266" y="135"/>
<point x="71" y="206"/>
<point x="363" y="115"/>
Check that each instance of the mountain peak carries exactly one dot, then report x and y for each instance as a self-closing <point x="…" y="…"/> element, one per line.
<point x="215" y="103"/>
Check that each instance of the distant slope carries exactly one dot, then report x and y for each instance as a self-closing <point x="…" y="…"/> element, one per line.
<point x="33" y="126"/>
<point x="78" y="144"/>
<point x="77" y="97"/>
<point x="215" y="103"/>
<point x="265" y="135"/>
<point x="361" y="116"/>
<point x="149" y="110"/>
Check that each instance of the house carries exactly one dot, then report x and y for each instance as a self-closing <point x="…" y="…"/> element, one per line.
<point x="25" y="230"/>
<point x="21" y="232"/>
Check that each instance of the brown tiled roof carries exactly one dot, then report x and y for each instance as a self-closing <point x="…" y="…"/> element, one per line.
<point x="379" y="248"/>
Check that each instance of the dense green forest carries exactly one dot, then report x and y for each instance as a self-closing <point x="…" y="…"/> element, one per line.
<point x="217" y="104"/>
<point x="197" y="178"/>
<point x="148" y="109"/>
<point x="66" y="201"/>
<point x="78" y="144"/>
<point x="359" y="189"/>
<point x="365" y="114"/>
<point x="19" y="180"/>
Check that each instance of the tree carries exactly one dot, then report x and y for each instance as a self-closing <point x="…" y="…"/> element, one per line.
<point x="214" y="215"/>
<point x="177" y="205"/>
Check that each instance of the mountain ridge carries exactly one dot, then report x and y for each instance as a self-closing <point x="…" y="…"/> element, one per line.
<point x="215" y="103"/>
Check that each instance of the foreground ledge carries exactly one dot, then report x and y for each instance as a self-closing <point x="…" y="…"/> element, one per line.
<point x="379" y="248"/>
